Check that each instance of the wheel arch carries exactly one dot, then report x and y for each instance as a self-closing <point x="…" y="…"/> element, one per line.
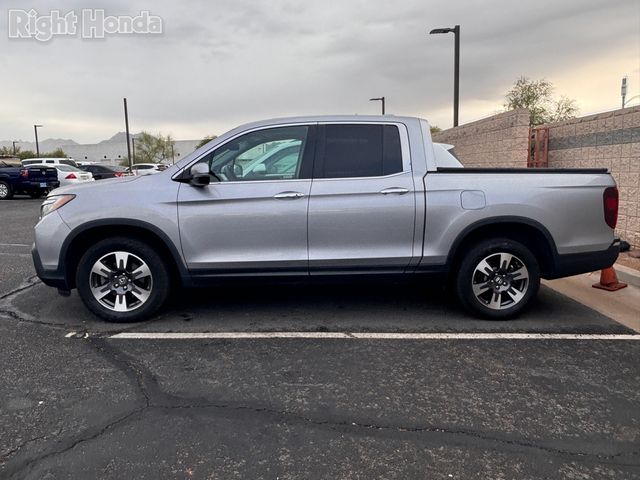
<point x="530" y="233"/>
<point x="84" y="236"/>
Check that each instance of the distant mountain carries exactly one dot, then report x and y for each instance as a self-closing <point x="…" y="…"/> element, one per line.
<point x="120" y="137"/>
<point x="47" y="145"/>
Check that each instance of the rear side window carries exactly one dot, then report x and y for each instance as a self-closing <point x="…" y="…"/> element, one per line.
<point x="360" y="151"/>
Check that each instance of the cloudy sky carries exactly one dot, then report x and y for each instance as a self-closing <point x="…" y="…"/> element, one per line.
<point x="220" y="63"/>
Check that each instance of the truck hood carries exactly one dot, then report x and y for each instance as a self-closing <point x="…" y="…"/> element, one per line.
<point x="96" y="186"/>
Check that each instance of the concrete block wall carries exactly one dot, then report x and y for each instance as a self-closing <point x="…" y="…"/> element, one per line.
<point x="610" y="140"/>
<point x="497" y="141"/>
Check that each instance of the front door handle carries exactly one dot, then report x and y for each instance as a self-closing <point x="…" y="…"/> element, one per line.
<point x="397" y="190"/>
<point x="288" y="195"/>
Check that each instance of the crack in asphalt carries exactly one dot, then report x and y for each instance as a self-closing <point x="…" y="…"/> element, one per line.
<point x="153" y="397"/>
<point x="8" y="309"/>
<point x="28" y="283"/>
<point x="20" y="446"/>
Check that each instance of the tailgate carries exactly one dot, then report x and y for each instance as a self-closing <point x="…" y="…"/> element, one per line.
<point x="42" y="174"/>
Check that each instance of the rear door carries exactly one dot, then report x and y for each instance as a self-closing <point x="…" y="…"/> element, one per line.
<point x="362" y="205"/>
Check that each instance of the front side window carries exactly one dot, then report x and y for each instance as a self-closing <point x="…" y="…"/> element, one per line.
<point x="360" y="151"/>
<point x="269" y="154"/>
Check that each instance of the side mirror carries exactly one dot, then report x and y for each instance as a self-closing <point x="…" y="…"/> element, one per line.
<point x="260" y="169"/>
<point x="200" y="175"/>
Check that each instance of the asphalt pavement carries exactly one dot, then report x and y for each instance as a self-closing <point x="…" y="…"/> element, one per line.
<point x="78" y="402"/>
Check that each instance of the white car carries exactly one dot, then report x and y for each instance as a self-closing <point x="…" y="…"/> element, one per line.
<point x="50" y="162"/>
<point x="68" y="175"/>
<point x="146" y="168"/>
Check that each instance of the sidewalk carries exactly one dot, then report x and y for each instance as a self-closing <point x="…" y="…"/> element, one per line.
<point x="623" y="306"/>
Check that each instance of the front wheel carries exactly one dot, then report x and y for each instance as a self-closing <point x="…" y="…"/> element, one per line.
<point x="122" y="280"/>
<point x="497" y="279"/>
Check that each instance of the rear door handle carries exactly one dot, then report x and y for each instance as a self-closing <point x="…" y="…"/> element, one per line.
<point x="288" y="195"/>
<point x="397" y="190"/>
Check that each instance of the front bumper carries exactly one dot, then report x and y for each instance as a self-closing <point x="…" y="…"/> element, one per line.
<point x="53" y="278"/>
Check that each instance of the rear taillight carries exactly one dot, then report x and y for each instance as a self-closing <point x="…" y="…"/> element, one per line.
<point x="610" y="201"/>
<point x="24" y="173"/>
<point x="119" y="174"/>
<point x="71" y="176"/>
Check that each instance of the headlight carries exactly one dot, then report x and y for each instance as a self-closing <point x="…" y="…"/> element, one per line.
<point x="53" y="203"/>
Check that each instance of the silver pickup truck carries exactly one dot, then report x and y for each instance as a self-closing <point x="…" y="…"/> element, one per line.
<point x="310" y="196"/>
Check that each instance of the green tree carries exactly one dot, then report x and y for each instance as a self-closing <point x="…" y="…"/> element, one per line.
<point x="26" y="154"/>
<point x="9" y="150"/>
<point x="205" y="140"/>
<point x="57" y="153"/>
<point x="153" y="148"/>
<point x="537" y="97"/>
<point x="435" y="129"/>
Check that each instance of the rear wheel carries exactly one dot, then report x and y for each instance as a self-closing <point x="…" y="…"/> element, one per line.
<point x="497" y="279"/>
<point x="122" y="280"/>
<point x="5" y="190"/>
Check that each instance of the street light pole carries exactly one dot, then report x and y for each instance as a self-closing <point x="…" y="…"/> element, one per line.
<point x="133" y="148"/>
<point x="126" y="124"/>
<point x="14" y="147"/>
<point x="456" y="67"/>
<point x="35" y="129"/>
<point x="379" y="99"/>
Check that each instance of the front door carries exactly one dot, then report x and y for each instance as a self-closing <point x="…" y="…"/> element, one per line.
<point x="252" y="218"/>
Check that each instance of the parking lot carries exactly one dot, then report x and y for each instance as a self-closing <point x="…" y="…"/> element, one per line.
<point x="292" y="381"/>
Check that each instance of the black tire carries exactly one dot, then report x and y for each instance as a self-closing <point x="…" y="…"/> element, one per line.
<point x="6" y="192"/>
<point x="158" y="284"/>
<point x="507" y="291"/>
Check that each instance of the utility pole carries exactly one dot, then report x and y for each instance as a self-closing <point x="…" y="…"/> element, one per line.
<point x="623" y="89"/>
<point x="35" y="129"/>
<point x="126" y="124"/>
<point x="133" y="148"/>
<point x="14" y="147"/>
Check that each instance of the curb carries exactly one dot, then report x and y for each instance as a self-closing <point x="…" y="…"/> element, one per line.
<point x="627" y="275"/>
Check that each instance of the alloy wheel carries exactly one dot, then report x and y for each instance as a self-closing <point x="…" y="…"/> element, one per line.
<point x="500" y="281"/>
<point x="120" y="281"/>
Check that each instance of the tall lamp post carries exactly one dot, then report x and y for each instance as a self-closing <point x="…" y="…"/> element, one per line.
<point x="126" y="126"/>
<point x="456" y="62"/>
<point x="14" y="146"/>
<point x="378" y="99"/>
<point x="35" y="129"/>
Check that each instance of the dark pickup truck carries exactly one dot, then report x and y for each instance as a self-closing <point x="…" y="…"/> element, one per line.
<point x="35" y="181"/>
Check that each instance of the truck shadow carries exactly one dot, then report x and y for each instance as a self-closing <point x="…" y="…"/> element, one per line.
<point x="373" y="307"/>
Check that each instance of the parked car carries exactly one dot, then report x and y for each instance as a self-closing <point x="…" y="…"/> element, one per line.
<point x="68" y="175"/>
<point x="101" y="172"/>
<point x="49" y="161"/>
<point x="146" y="168"/>
<point x="368" y="196"/>
<point x="33" y="181"/>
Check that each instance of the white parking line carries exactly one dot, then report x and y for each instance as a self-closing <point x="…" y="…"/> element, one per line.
<point x="14" y="245"/>
<point x="366" y="336"/>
